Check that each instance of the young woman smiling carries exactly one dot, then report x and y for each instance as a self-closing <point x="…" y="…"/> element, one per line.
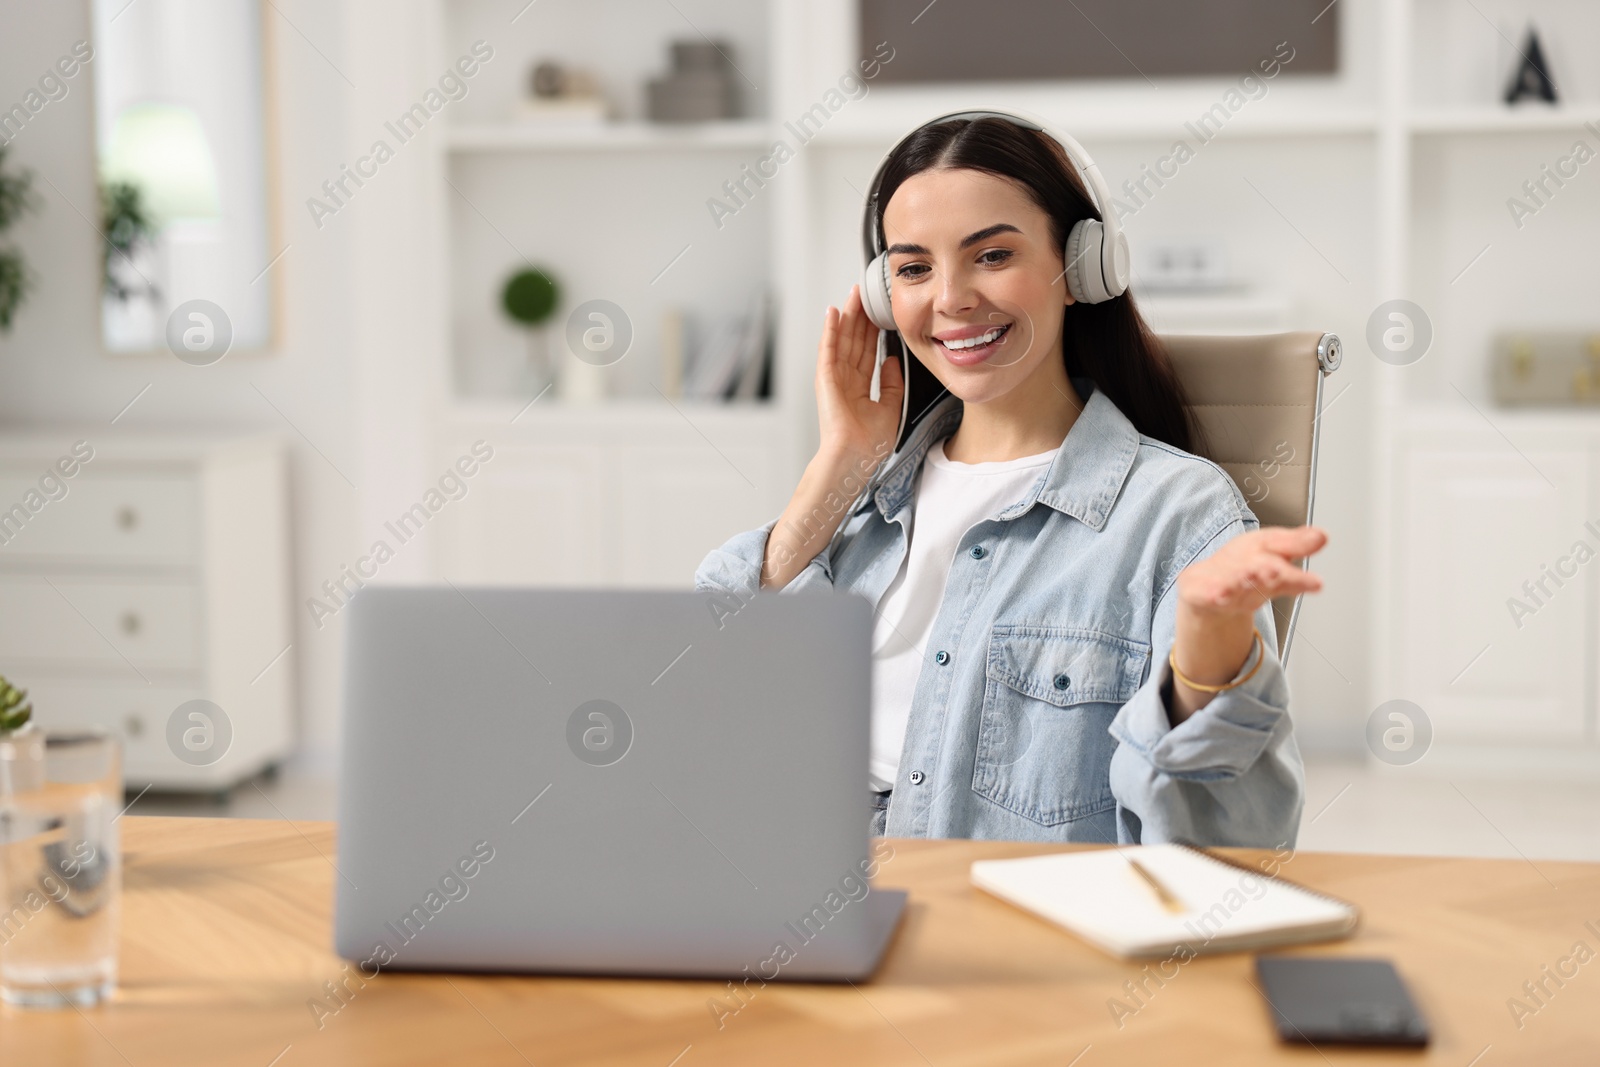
<point x="1074" y="637"/>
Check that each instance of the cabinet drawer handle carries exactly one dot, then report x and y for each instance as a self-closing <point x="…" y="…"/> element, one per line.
<point x="127" y="518"/>
<point x="131" y="623"/>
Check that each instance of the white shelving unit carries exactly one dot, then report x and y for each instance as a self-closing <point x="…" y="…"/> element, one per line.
<point x="1473" y="500"/>
<point x="555" y="137"/>
<point x="616" y="211"/>
<point x="1525" y="118"/>
<point x="1156" y="120"/>
<point x="1332" y="194"/>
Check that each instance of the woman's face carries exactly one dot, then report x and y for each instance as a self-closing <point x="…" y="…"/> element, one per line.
<point x="976" y="280"/>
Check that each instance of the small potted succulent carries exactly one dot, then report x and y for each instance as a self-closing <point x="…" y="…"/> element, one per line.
<point x="21" y="743"/>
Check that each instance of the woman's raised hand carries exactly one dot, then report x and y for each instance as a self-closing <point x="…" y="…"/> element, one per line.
<point x="856" y="433"/>
<point x="1250" y="570"/>
<point x="1217" y="601"/>
<point x="852" y="424"/>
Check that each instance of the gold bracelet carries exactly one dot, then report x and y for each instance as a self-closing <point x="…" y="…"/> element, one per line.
<point x="1172" y="659"/>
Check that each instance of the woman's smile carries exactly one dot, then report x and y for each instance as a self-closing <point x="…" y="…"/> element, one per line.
<point x="969" y="345"/>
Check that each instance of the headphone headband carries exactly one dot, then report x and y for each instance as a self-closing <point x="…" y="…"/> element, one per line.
<point x="1099" y="192"/>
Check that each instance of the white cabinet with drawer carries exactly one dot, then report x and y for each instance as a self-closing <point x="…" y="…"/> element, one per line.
<point x="625" y="494"/>
<point x="138" y="574"/>
<point x="140" y="518"/>
<point x="1489" y="620"/>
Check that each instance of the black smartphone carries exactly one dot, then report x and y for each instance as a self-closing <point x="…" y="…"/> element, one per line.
<point x="1336" y="1000"/>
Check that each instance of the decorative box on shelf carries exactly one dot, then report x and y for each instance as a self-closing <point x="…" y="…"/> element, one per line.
<point x="1546" y="368"/>
<point x="145" y="590"/>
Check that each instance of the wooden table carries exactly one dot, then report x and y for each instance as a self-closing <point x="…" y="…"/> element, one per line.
<point x="225" y="945"/>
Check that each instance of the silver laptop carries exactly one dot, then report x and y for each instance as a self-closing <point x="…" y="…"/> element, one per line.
<point x="608" y="782"/>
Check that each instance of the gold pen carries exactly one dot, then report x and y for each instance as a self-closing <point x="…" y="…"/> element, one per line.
<point x="1169" y="899"/>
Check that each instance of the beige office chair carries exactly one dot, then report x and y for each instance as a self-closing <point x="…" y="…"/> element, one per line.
<point x="1257" y="402"/>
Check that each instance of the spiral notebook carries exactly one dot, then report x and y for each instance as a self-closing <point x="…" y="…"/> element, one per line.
<point x="1153" y="901"/>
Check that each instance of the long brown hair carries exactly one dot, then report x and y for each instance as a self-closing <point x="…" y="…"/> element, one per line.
<point x="1108" y="343"/>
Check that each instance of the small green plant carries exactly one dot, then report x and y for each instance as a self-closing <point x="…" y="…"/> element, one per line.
<point x="16" y="200"/>
<point x="14" y="709"/>
<point x="529" y="300"/>
<point x="127" y="225"/>
<point x="530" y="296"/>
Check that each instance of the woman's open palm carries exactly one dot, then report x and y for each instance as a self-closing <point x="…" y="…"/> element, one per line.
<point x="849" y="420"/>
<point x="1250" y="570"/>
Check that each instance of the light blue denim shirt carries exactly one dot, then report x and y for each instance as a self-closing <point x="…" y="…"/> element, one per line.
<point x="1038" y="712"/>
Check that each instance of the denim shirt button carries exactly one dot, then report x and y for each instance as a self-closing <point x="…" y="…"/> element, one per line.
<point x="916" y="777"/>
<point x="977" y="552"/>
<point x="1062" y="681"/>
<point x="941" y="657"/>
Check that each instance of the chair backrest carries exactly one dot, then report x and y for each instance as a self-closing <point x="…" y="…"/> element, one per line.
<point x="1257" y="401"/>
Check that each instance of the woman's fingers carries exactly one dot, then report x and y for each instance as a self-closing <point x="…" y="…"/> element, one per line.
<point x="893" y="378"/>
<point x="828" y="354"/>
<point x="1272" y="577"/>
<point x="830" y="333"/>
<point x="1244" y="581"/>
<point x="846" y="353"/>
<point x="1253" y="569"/>
<point x="1293" y="542"/>
<point x="854" y="343"/>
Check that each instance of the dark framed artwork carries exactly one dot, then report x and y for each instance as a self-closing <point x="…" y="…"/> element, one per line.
<point x="1047" y="40"/>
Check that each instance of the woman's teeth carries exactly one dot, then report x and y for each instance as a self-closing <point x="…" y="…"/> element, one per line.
<point x="975" y="342"/>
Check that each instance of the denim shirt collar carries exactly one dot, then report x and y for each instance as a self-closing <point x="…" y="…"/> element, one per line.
<point x="1084" y="479"/>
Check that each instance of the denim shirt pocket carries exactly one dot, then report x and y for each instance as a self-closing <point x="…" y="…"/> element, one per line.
<point x="1050" y="693"/>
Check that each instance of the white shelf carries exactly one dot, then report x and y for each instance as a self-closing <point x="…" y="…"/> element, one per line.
<point x="609" y="136"/>
<point x="1502" y="119"/>
<point x="1433" y="415"/>
<point x="883" y="122"/>
<point x="617" y="411"/>
<point x="1223" y="312"/>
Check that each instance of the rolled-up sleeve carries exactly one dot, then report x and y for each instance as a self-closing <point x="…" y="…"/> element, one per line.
<point x="735" y="567"/>
<point x="1230" y="774"/>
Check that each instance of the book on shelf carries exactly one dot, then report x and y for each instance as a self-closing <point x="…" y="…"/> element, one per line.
<point x="672" y="352"/>
<point x="578" y="113"/>
<point x="731" y="362"/>
<point x="757" y="347"/>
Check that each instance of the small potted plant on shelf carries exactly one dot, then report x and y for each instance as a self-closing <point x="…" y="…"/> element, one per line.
<point x="21" y="743"/>
<point x="529" y="299"/>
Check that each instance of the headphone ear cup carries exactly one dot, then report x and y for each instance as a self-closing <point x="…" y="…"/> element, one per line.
<point x="1119" y="265"/>
<point x="1083" y="254"/>
<point x="875" y="292"/>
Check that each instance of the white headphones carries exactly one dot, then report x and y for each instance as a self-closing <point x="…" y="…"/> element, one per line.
<point x="1096" y="252"/>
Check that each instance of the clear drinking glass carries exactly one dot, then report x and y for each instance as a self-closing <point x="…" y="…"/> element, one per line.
<point x="60" y="869"/>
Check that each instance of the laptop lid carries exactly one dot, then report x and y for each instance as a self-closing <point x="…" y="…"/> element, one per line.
<point x="599" y="781"/>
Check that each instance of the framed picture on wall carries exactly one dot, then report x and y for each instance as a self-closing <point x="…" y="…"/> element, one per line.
<point x="1047" y="40"/>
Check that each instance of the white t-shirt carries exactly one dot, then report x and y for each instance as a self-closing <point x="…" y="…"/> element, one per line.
<point x="950" y="497"/>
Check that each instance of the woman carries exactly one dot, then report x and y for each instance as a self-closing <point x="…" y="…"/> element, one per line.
<point x="1074" y="637"/>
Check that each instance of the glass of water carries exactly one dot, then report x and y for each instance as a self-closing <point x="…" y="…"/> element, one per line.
<point x="61" y="872"/>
